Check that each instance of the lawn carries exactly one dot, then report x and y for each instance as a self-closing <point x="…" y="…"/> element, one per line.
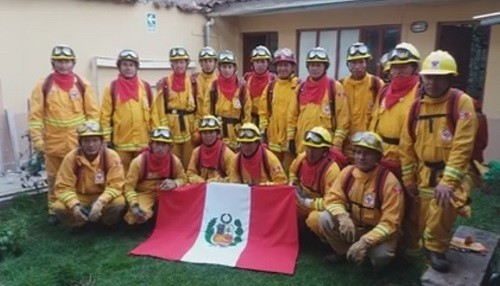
<point x="52" y="256"/>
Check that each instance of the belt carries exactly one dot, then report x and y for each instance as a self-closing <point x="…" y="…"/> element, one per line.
<point x="181" y="113"/>
<point x="435" y="168"/>
<point x="225" y="122"/>
<point x="390" y="141"/>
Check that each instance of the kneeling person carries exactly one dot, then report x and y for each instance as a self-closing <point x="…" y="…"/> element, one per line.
<point x="155" y="169"/>
<point x="90" y="181"/>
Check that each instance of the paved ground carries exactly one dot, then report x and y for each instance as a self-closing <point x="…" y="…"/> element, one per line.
<point x="11" y="184"/>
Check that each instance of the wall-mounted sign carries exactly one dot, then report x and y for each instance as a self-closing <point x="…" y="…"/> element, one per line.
<point x="419" y="26"/>
<point x="151" y="22"/>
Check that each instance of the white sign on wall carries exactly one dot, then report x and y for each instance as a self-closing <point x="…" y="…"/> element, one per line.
<point x="151" y="22"/>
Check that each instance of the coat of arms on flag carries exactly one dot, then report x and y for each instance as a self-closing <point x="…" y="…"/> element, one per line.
<point x="228" y="224"/>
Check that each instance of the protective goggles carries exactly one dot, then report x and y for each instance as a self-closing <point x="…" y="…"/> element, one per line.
<point x="92" y="126"/>
<point x="370" y="139"/>
<point x="178" y="52"/>
<point x="260" y="53"/>
<point x="207" y="53"/>
<point x="358" y="49"/>
<point x="402" y="54"/>
<point x="247" y="133"/>
<point x="62" y="51"/>
<point x="128" y="54"/>
<point x="315" y="138"/>
<point x="227" y="57"/>
<point x="161" y="133"/>
<point x="317" y="54"/>
<point x="208" y="122"/>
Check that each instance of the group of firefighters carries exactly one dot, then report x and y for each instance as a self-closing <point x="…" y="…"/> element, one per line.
<point x="377" y="168"/>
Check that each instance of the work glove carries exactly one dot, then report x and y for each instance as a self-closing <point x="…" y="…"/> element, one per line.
<point x="346" y="227"/>
<point x="302" y="198"/>
<point x="39" y="145"/>
<point x="80" y="212"/>
<point x="291" y="147"/>
<point x="357" y="251"/>
<point x="443" y="194"/>
<point x="96" y="211"/>
<point x="168" y="184"/>
<point x="326" y="222"/>
<point x="139" y="213"/>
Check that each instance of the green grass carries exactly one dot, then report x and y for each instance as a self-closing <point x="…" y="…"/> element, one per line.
<point x="52" y="256"/>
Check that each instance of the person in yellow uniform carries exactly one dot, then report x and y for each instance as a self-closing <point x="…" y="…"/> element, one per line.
<point x="211" y="160"/>
<point x="175" y="105"/>
<point x="320" y="101"/>
<point x="313" y="172"/>
<point x="207" y="58"/>
<point x="436" y="157"/>
<point x="274" y="105"/>
<point x="361" y="89"/>
<point x="364" y="208"/>
<point x="59" y="103"/>
<point x="90" y="182"/>
<point x="258" y="79"/>
<point x="227" y="99"/>
<point x="254" y="164"/>
<point x="125" y="109"/>
<point x="155" y="169"/>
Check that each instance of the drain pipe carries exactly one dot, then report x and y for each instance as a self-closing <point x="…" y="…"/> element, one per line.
<point x="206" y="32"/>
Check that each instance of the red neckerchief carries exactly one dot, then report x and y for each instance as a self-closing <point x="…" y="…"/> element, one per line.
<point x="399" y="87"/>
<point x="227" y="86"/>
<point x="257" y="83"/>
<point x="309" y="171"/>
<point x="127" y="88"/>
<point x="253" y="165"/>
<point x="314" y="91"/>
<point x="179" y="82"/>
<point x="208" y="154"/>
<point x="64" y="81"/>
<point x="158" y="165"/>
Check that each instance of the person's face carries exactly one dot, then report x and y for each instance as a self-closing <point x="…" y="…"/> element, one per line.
<point x="357" y="67"/>
<point x="435" y="85"/>
<point x="316" y="70"/>
<point x="260" y="66"/>
<point x="128" y="68"/>
<point x="160" y="148"/>
<point x="63" y="66"/>
<point x="314" y="155"/>
<point x="365" y="159"/>
<point x="402" y="70"/>
<point x="249" y="148"/>
<point x="91" y="145"/>
<point x="179" y="66"/>
<point x="209" y="137"/>
<point x="284" y="69"/>
<point x="207" y="65"/>
<point x="227" y="70"/>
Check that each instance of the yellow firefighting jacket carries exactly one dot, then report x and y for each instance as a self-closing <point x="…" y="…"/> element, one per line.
<point x="79" y="176"/>
<point x="54" y="119"/>
<point x="276" y="173"/>
<point x="151" y="181"/>
<point x="256" y="100"/>
<point x="204" y="81"/>
<point x="362" y="200"/>
<point x="273" y="112"/>
<point x="435" y="143"/>
<point x="303" y="118"/>
<point x="330" y="174"/>
<point x="180" y="112"/>
<point x="388" y="123"/>
<point x="197" y="174"/>
<point x="131" y="120"/>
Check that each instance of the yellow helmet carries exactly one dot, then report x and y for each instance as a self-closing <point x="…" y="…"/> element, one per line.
<point x="318" y="55"/>
<point x="368" y="139"/>
<point x="207" y="53"/>
<point x="404" y="53"/>
<point x="248" y="132"/>
<point x="318" y="137"/>
<point x="127" y="55"/>
<point x="358" y="51"/>
<point x="227" y="57"/>
<point x="439" y="63"/>
<point x="161" y="134"/>
<point x="63" y="52"/>
<point x="178" y="53"/>
<point x="90" y="128"/>
<point x="261" y="53"/>
<point x="209" y="123"/>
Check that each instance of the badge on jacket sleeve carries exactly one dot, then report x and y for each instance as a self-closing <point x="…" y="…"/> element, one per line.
<point x="99" y="177"/>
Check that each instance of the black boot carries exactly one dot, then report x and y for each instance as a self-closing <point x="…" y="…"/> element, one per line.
<point x="333" y="258"/>
<point x="439" y="262"/>
<point x="53" y="219"/>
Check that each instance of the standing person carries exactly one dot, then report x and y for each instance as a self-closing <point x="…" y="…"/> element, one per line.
<point x="155" y="169"/>
<point x="364" y="208"/>
<point x="176" y="104"/>
<point x="125" y="109"/>
<point x="211" y="160"/>
<point x="320" y="101"/>
<point x="274" y="105"/>
<point x="258" y="79"/>
<point x="254" y="164"/>
<point x="59" y="103"/>
<point x="436" y="148"/>
<point x="90" y="181"/>
<point x="227" y="99"/>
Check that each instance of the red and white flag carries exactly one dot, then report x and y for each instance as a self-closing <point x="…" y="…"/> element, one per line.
<point x="227" y="224"/>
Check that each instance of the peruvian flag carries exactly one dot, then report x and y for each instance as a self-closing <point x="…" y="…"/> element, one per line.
<point x="228" y="224"/>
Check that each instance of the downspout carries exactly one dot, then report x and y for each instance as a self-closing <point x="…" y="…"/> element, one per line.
<point x="206" y="32"/>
